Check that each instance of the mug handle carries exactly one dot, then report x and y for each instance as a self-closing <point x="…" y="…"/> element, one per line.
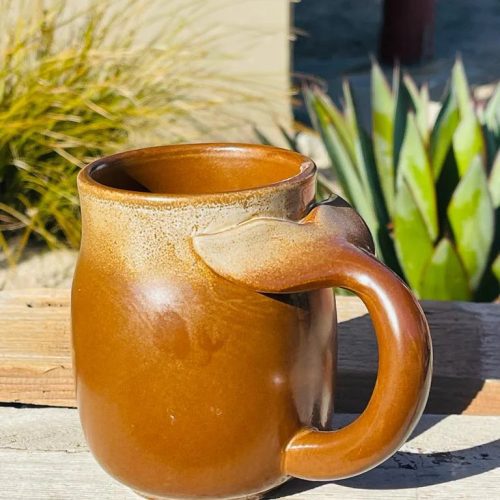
<point x="331" y="247"/>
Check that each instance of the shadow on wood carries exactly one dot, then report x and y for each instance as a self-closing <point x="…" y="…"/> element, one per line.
<point x="455" y="465"/>
<point x="466" y="374"/>
<point x="407" y="470"/>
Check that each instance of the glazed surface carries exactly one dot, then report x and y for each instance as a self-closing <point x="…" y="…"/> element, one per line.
<point x="187" y="383"/>
<point x="204" y="327"/>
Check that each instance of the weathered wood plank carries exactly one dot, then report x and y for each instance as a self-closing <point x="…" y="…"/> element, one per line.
<point x="35" y="353"/>
<point x="43" y="455"/>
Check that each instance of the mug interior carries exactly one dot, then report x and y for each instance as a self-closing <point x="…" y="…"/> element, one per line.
<point x="199" y="168"/>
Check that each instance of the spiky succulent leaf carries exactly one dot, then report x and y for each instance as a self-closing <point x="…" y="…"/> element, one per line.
<point x="411" y="237"/>
<point x="420" y="101"/>
<point x="471" y="216"/>
<point x="492" y="114"/>
<point x="440" y="183"/>
<point x="262" y="137"/>
<point x="347" y="173"/>
<point x="442" y="132"/>
<point x="414" y="168"/>
<point x="412" y="89"/>
<point x="383" y="106"/>
<point x="468" y="143"/>
<point x="444" y="278"/>
<point x="445" y="187"/>
<point x="352" y="123"/>
<point x="460" y="88"/>
<point x="491" y="145"/>
<point x="291" y="139"/>
<point x="494" y="181"/>
<point x="345" y="132"/>
<point x="491" y="124"/>
<point x="364" y="157"/>
<point x="423" y="114"/>
<point x="404" y="104"/>
<point x="495" y="267"/>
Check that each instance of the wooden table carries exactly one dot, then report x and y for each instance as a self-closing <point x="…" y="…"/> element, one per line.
<point x="43" y="456"/>
<point x="454" y="453"/>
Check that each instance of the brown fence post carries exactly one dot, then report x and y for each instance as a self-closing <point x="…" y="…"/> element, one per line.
<point x="408" y="31"/>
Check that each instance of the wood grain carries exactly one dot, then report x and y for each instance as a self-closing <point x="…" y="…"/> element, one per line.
<point x="35" y="353"/>
<point x="43" y="456"/>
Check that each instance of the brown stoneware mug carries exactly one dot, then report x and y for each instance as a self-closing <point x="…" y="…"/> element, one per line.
<point x="204" y="326"/>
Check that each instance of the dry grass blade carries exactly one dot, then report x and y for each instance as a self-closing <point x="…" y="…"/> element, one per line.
<point x="76" y="84"/>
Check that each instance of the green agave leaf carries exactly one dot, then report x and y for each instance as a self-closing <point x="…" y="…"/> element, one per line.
<point x="495" y="267"/>
<point x="421" y="105"/>
<point x="492" y="113"/>
<point x="460" y="87"/>
<point x="368" y="170"/>
<point x="489" y="287"/>
<point x="423" y="113"/>
<point x="411" y="237"/>
<point x="494" y="181"/>
<point x="468" y="143"/>
<point x="404" y="104"/>
<point x="352" y="122"/>
<point x="412" y="89"/>
<point x="364" y="158"/>
<point x="444" y="277"/>
<point x="383" y="106"/>
<point x="341" y="162"/>
<point x="341" y="124"/>
<point x="309" y="101"/>
<point x="261" y="137"/>
<point x="442" y="132"/>
<point x="491" y="144"/>
<point x="415" y="169"/>
<point x="446" y="184"/>
<point x="289" y="138"/>
<point x="471" y="217"/>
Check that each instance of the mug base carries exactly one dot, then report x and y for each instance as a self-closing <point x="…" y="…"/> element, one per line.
<point x="250" y="497"/>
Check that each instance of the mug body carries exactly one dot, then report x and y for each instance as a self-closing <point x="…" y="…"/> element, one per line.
<point x="188" y="385"/>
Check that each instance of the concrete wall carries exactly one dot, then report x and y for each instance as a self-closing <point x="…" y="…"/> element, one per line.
<point x="253" y="36"/>
<point x="256" y="34"/>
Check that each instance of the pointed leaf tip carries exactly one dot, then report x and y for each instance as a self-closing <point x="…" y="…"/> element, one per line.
<point x="414" y="168"/>
<point x="444" y="277"/>
<point x="411" y="239"/>
<point x="471" y="216"/>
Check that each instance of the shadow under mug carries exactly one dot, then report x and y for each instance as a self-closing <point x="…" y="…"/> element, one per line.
<point x="204" y="327"/>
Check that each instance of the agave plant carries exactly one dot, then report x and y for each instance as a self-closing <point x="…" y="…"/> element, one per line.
<point x="428" y="189"/>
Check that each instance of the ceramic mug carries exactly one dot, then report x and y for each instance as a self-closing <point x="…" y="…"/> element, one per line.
<point x="204" y="327"/>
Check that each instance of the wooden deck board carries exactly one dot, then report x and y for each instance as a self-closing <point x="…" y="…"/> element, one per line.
<point x="35" y="353"/>
<point x="43" y="456"/>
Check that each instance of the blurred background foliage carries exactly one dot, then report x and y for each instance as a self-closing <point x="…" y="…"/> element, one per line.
<point x="428" y="187"/>
<point x="76" y="84"/>
<point x="79" y="82"/>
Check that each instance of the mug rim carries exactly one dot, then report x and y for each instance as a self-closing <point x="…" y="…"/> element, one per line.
<point x="86" y="182"/>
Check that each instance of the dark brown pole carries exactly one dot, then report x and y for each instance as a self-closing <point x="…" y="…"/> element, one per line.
<point x="407" y="31"/>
